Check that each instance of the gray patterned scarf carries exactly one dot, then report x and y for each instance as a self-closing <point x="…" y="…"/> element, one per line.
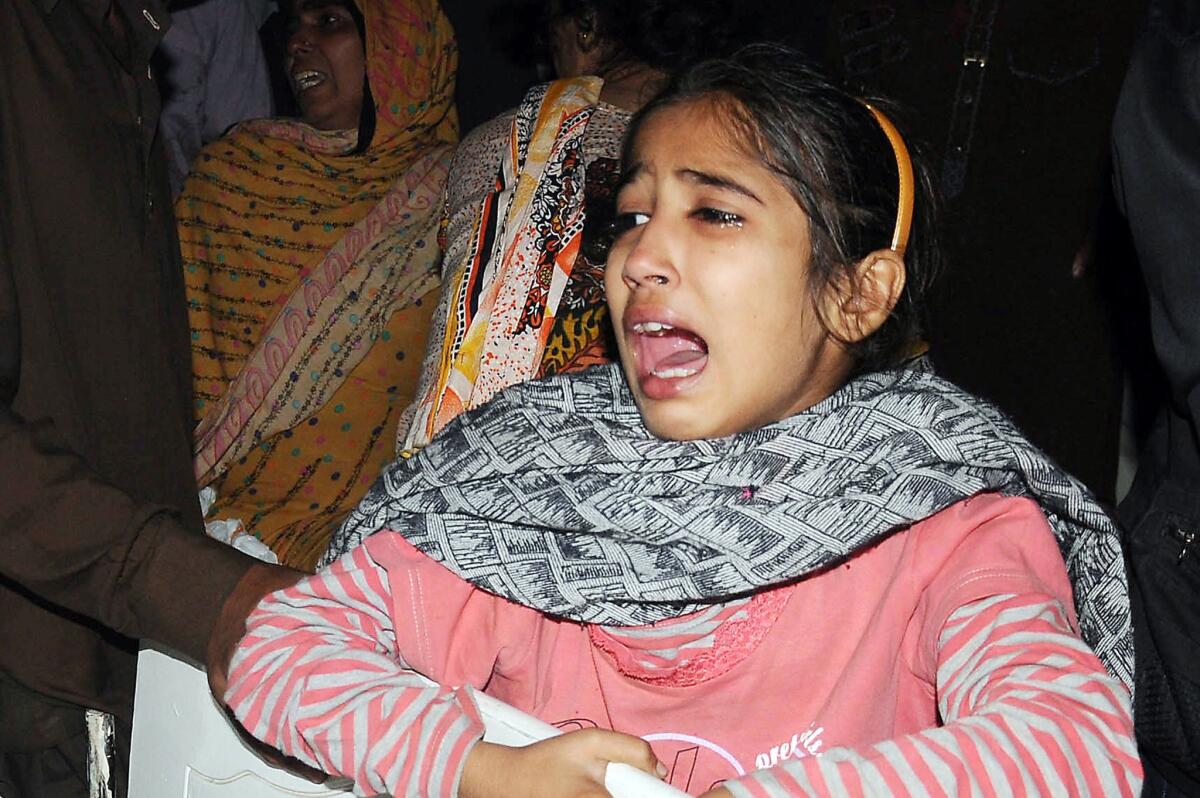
<point x="556" y="496"/>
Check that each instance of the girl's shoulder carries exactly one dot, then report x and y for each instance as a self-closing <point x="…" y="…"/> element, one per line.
<point x="982" y="536"/>
<point x="978" y="547"/>
<point x="391" y="551"/>
<point x="982" y="518"/>
<point x="984" y="546"/>
<point x="983" y="510"/>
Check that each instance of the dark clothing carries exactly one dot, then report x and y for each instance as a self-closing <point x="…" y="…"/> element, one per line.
<point x="57" y="773"/>
<point x="490" y="80"/>
<point x="49" y="774"/>
<point x="1156" y="152"/>
<point x="1012" y="101"/>
<point x="1164" y="587"/>
<point x="98" y="508"/>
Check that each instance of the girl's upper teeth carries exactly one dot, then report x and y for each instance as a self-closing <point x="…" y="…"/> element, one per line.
<point x="651" y="327"/>
<point x="308" y="77"/>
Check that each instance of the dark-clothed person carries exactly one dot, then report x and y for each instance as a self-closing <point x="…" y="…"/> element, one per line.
<point x="98" y="509"/>
<point x="1156" y="153"/>
<point x="1013" y="100"/>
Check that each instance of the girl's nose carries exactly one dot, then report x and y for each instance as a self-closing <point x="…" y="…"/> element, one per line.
<point x="649" y="261"/>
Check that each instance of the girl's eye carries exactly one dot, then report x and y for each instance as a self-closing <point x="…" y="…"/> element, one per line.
<point x="329" y="19"/>
<point x="718" y="217"/>
<point x="625" y="222"/>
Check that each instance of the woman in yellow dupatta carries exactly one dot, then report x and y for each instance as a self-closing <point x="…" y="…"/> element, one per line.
<point x="311" y="265"/>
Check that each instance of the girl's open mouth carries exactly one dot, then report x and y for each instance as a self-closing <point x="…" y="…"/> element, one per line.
<point x="668" y="358"/>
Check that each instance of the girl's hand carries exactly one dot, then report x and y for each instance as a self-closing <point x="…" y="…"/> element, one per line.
<point x="570" y="765"/>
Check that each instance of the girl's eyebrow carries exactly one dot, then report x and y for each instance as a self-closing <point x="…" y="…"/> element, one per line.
<point x="717" y="181"/>
<point x="692" y="176"/>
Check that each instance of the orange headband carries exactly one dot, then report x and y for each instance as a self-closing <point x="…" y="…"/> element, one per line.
<point x="904" y="211"/>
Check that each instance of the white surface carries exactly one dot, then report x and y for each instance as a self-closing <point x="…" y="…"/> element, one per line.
<point x="232" y="532"/>
<point x="185" y="747"/>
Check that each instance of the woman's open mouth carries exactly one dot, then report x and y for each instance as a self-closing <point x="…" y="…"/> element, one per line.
<point x="305" y="79"/>
<point x="668" y="358"/>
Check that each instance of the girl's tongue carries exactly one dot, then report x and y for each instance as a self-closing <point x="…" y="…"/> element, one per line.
<point x="669" y="353"/>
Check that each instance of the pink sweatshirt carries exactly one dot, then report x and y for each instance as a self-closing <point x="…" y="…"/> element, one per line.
<point x="941" y="661"/>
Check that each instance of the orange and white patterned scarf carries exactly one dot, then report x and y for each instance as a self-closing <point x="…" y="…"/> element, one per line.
<point x="527" y="233"/>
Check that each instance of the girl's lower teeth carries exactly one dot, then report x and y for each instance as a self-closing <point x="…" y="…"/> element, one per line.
<point x="668" y="374"/>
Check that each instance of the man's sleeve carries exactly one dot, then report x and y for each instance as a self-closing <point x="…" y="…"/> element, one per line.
<point x="77" y="541"/>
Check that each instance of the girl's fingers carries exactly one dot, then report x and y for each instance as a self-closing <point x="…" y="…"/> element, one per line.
<point x="613" y="746"/>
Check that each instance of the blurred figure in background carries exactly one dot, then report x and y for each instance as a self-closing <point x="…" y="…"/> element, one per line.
<point x="213" y="74"/>
<point x="1156" y="151"/>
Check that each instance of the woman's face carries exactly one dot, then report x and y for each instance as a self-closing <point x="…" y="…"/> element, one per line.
<point x="325" y="64"/>
<point x="708" y="285"/>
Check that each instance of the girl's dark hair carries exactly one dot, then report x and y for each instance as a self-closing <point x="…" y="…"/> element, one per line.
<point x="664" y="34"/>
<point x="837" y="162"/>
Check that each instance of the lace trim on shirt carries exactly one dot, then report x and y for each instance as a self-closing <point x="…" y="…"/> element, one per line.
<point x="736" y="638"/>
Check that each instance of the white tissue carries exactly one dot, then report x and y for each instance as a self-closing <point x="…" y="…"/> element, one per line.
<point x="233" y="533"/>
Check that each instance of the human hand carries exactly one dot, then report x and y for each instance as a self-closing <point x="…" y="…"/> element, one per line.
<point x="278" y="759"/>
<point x="259" y="580"/>
<point x="572" y="764"/>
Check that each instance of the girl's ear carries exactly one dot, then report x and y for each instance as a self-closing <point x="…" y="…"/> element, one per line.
<point x="865" y="298"/>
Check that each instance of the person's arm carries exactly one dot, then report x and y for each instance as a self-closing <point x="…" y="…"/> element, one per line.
<point x="1028" y="709"/>
<point x="76" y="541"/>
<point x="320" y="677"/>
<point x="323" y="676"/>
